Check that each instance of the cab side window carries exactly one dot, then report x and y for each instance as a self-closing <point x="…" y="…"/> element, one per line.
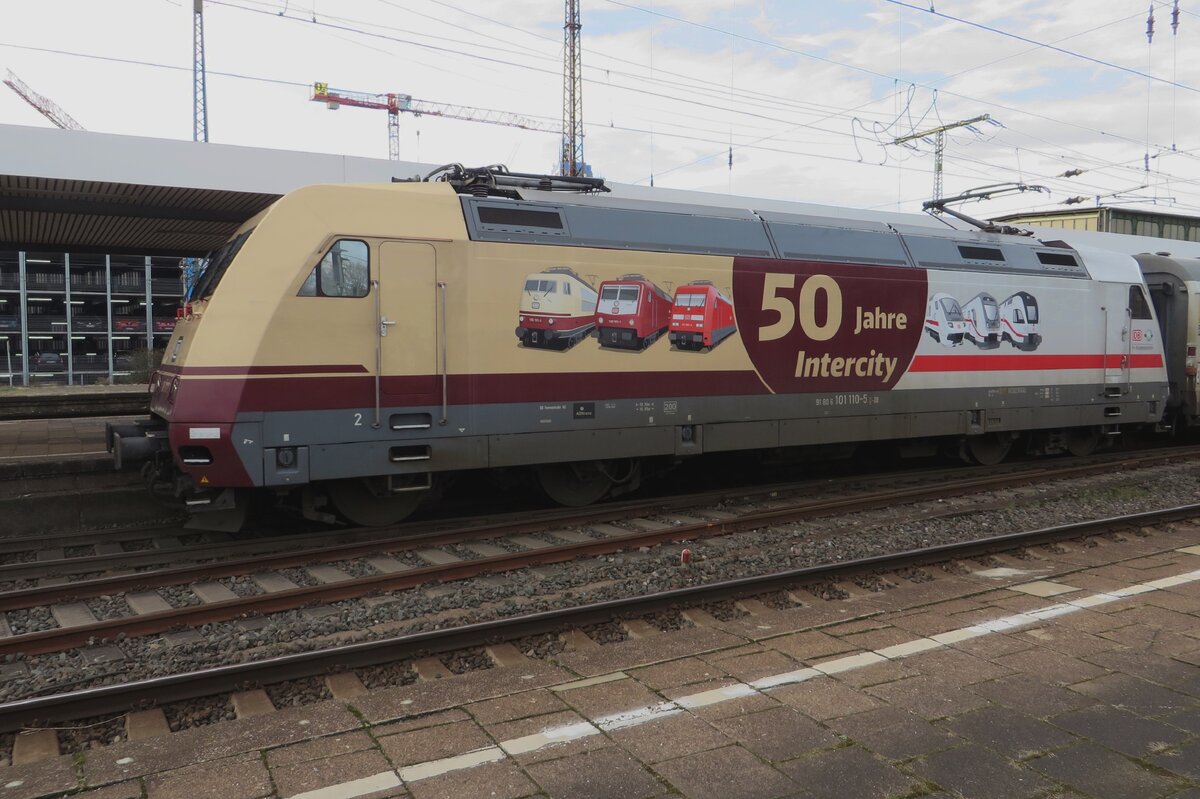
<point x="343" y="272"/>
<point x="1138" y="307"/>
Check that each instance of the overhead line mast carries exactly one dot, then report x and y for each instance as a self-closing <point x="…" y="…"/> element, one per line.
<point x="572" y="162"/>
<point x="199" y="86"/>
<point x="939" y="146"/>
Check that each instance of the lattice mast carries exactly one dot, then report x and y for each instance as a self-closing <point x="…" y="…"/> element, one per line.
<point x="572" y="124"/>
<point x="397" y="104"/>
<point x="48" y="108"/>
<point x="939" y="147"/>
<point x="199" y="87"/>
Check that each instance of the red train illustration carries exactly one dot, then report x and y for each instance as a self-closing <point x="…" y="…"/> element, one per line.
<point x="701" y="316"/>
<point x="631" y="313"/>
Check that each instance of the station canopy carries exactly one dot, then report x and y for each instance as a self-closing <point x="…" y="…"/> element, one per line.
<point x="79" y="191"/>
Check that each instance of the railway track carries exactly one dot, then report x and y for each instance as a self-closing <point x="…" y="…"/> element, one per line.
<point x="417" y="559"/>
<point x="224" y="679"/>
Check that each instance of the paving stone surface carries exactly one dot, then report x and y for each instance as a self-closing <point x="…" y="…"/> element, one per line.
<point x="1102" y="773"/>
<point x="849" y="771"/>
<point x="894" y="733"/>
<point x="729" y="773"/>
<point x="1008" y="732"/>
<point x="777" y="734"/>
<point x="979" y="773"/>
<point x="1098" y="703"/>
<point x="679" y="735"/>
<point x="1122" y="731"/>
<point x="595" y="774"/>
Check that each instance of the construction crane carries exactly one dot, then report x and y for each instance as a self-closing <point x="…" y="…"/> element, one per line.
<point x="396" y="104"/>
<point x="48" y="107"/>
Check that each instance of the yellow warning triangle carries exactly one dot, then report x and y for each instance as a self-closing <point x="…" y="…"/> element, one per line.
<point x="204" y="480"/>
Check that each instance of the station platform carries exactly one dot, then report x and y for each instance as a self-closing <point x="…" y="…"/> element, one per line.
<point x="52" y="439"/>
<point x="1071" y="673"/>
<point x="62" y="402"/>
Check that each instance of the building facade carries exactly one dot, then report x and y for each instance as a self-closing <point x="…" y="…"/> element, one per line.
<point x="1109" y="219"/>
<point x="81" y="318"/>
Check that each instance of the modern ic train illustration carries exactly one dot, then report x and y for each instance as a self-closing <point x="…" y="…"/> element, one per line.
<point x="944" y="320"/>
<point x="350" y="349"/>
<point x="558" y="309"/>
<point x="982" y="316"/>
<point x="701" y="316"/>
<point x="631" y="313"/>
<point x="1019" y="321"/>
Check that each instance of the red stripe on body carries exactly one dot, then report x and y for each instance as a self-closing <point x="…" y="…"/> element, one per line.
<point x="1028" y="363"/>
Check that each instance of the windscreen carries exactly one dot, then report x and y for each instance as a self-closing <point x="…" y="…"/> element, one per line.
<point x="952" y="311"/>
<point x="539" y="286"/>
<point x="216" y="263"/>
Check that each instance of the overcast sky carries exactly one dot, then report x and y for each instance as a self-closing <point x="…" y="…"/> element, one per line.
<point x="809" y="95"/>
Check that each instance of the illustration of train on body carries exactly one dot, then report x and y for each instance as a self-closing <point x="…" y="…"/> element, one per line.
<point x="346" y="367"/>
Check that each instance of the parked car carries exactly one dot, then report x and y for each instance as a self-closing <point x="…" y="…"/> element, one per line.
<point x="47" y="361"/>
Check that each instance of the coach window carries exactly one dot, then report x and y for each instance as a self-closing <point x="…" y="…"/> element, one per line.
<point x="343" y="272"/>
<point x="1138" y="307"/>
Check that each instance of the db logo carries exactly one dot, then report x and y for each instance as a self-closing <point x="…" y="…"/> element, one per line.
<point x="1137" y="335"/>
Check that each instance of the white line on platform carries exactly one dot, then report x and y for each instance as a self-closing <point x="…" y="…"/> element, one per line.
<point x="552" y="736"/>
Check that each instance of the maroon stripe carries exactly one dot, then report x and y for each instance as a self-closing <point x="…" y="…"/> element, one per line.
<point x="200" y="399"/>
<point x="350" y="368"/>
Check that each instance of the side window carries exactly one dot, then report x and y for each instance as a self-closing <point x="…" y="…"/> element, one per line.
<point x="343" y="272"/>
<point x="1138" y="307"/>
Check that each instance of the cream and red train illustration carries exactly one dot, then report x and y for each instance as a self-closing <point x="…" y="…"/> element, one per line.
<point x="630" y="312"/>
<point x="558" y="309"/>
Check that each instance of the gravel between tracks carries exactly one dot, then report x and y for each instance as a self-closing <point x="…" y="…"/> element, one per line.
<point x="631" y="573"/>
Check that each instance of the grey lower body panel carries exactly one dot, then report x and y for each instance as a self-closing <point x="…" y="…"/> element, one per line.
<point x="476" y="436"/>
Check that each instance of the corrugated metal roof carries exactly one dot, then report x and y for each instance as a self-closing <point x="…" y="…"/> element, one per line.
<point x="84" y="215"/>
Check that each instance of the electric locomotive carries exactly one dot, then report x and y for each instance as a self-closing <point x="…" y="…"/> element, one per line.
<point x="350" y="347"/>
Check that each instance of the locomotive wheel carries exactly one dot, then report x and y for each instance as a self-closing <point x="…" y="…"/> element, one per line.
<point x="575" y="484"/>
<point x="368" y="503"/>
<point x="989" y="449"/>
<point x="1082" y="440"/>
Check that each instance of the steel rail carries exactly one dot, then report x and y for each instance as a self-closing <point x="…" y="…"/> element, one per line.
<point x="121" y="697"/>
<point x="290" y="558"/>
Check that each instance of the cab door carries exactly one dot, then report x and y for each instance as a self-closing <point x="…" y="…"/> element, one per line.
<point x="409" y="319"/>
